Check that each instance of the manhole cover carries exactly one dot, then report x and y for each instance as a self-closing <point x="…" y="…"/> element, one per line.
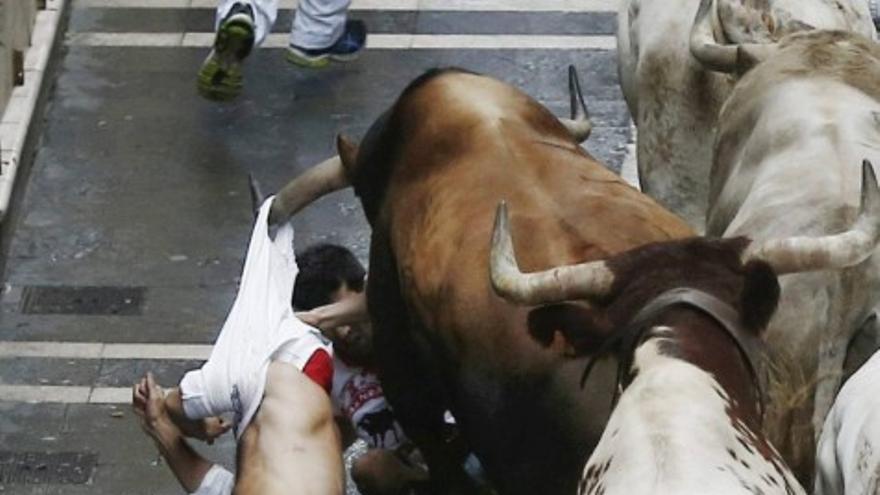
<point x="63" y="468"/>
<point x="123" y="301"/>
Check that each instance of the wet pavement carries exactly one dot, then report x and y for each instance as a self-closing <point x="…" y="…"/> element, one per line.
<point x="140" y="186"/>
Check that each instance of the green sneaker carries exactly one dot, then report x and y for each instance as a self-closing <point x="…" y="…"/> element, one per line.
<point x="347" y="48"/>
<point x="221" y="77"/>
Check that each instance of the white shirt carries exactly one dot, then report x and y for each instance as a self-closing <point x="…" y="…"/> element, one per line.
<point x="358" y="396"/>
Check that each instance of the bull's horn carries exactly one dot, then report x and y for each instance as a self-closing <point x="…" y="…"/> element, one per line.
<point x="703" y="45"/>
<point x="579" y="125"/>
<point x="802" y="254"/>
<point x="584" y="281"/>
<point x="318" y="181"/>
<point x="257" y="196"/>
<point x="722" y="58"/>
<point x="348" y="152"/>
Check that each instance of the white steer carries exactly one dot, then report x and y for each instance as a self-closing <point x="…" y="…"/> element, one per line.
<point x="675" y="100"/>
<point x="788" y="159"/>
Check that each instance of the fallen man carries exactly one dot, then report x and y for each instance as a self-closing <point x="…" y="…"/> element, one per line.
<point x="273" y="372"/>
<point x="329" y="294"/>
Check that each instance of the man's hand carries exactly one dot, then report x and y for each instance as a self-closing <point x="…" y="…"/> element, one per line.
<point x="213" y="428"/>
<point x="311" y="318"/>
<point x="348" y="311"/>
<point x="148" y="402"/>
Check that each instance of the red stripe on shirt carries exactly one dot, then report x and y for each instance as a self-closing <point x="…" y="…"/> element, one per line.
<point x="319" y="368"/>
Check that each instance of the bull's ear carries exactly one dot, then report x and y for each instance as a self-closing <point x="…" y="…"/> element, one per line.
<point x="348" y="152"/>
<point x="760" y="295"/>
<point x="863" y="344"/>
<point x="749" y="56"/>
<point x="792" y="26"/>
<point x="583" y="328"/>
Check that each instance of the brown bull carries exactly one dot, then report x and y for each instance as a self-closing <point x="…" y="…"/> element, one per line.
<point x="429" y="174"/>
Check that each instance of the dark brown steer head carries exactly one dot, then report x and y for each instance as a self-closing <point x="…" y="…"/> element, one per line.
<point x="610" y="304"/>
<point x="594" y="305"/>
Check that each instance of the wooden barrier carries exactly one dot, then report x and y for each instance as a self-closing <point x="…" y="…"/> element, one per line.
<point x="16" y="25"/>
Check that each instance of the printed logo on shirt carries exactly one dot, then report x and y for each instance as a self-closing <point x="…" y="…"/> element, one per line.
<point x="358" y="391"/>
<point x="237" y="408"/>
<point x="357" y="395"/>
<point x="377" y="425"/>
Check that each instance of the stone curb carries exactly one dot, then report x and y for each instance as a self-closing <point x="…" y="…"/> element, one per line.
<point x="20" y="110"/>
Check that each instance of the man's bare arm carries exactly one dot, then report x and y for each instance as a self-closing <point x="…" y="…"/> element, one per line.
<point x="206" y="429"/>
<point x="188" y="466"/>
<point x="345" y="312"/>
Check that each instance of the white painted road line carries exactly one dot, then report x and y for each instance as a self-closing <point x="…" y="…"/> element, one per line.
<point x="520" y="42"/>
<point x="99" y="350"/>
<point x="110" y="395"/>
<point x="35" y="393"/>
<point x="374" y="41"/>
<point x="432" y="5"/>
<point x="88" y="350"/>
<point x="156" y="351"/>
<point x="629" y="170"/>
<point x="125" y="39"/>
<point x="65" y="395"/>
<point x="65" y="350"/>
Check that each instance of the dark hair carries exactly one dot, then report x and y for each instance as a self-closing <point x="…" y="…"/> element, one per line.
<point x="323" y="268"/>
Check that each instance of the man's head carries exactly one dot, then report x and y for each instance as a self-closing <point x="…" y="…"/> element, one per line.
<point x="329" y="273"/>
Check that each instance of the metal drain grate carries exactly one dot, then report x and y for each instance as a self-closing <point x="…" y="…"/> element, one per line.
<point x="63" y="468"/>
<point x="123" y="301"/>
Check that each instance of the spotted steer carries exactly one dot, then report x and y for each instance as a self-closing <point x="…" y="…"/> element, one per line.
<point x="787" y="157"/>
<point x="683" y="318"/>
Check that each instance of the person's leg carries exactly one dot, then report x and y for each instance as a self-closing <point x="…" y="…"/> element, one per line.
<point x="264" y="14"/>
<point x="321" y="32"/>
<point x="318" y="23"/>
<point x="240" y="25"/>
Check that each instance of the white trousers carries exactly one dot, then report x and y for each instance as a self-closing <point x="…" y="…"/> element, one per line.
<point x="317" y="23"/>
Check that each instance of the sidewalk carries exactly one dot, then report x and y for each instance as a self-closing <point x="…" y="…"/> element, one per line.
<point x="18" y="110"/>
